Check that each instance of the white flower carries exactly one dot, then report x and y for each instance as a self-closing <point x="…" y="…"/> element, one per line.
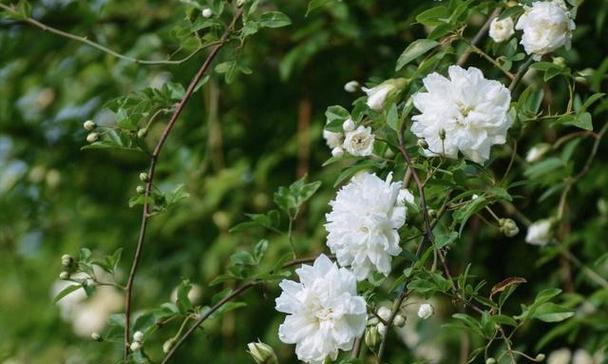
<point x="581" y="356"/>
<point x="560" y="356"/>
<point x="207" y="13"/>
<point x="138" y="336"/>
<point x="377" y="96"/>
<point x="425" y="311"/>
<point x="501" y="30"/>
<point x="405" y="196"/>
<point x="363" y="224"/>
<point x="351" y="86"/>
<point x="536" y="152"/>
<point x="325" y="314"/>
<point x="135" y="346"/>
<point x="469" y="110"/>
<point x="359" y="142"/>
<point x="348" y="125"/>
<point x="539" y="233"/>
<point x="547" y="26"/>
<point x="332" y="139"/>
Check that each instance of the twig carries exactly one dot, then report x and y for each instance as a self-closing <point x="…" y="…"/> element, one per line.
<point x="95" y="45"/>
<point x="478" y="37"/>
<point x="520" y="73"/>
<point x="153" y="160"/>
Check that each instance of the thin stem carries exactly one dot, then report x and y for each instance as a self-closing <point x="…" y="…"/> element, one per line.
<point x="478" y="37"/>
<point x="479" y="51"/>
<point x="152" y="168"/>
<point x="520" y="73"/>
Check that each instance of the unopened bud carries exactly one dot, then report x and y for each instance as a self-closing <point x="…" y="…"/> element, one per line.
<point x="138" y="336"/>
<point x="140" y="189"/>
<point x="540" y="357"/>
<point x="142" y="132"/>
<point x="207" y="13"/>
<point x="432" y="212"/>
<point x="559" y="61"/>
<point x="399" y="321"/>
<point x="508" y="227"/>
<point x="381" y="329"/>
<point x="262" y="353"/>
<point x="96" y="337"/>
<point x="442" y="134"/>
<point x="371" y="336"/>
<point x="135" y="346"/>
<point x="64" y="275"/>
<point x="351" y="86"/>
<point x="143" y="176"/>
<point x="92" y="137"/>
<point x="89" y="125"/>
<point x="167" y="345"/>
<point x="337" y="152"/>
<point x="66" y="260"/>
<point x="423" y="144"/>
<point x="491" y="361"/>
<point x="348" y="125"/>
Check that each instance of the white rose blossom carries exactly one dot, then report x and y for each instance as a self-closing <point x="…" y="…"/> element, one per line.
<point x="501" y="29"/>
<point x="539" y="233"/>
<point x="324" y="312"/>
<point x="363" y="224"/>
<point x="359" y="142"/>
<point x="425" y="311"/>
<point x="465" y="113"/>
<point x="547" y="26"/>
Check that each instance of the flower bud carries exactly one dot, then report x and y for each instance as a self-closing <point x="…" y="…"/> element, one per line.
<point x="337" y="152"/>
<point x="371" y="336"/>
<point x="423" y="144"/>
<point x="142" y="132"/>
<point x="140" y="189"/>
<point x="262" y="353"/>
<point x="491" y="361"/>
<point x="384" y="313"/>
<point x="138" y="336"/>
<point x="399" y="321"/>
<point x="372" y="321"/>
<point x="537" y="152"/>
<point x="96" y="337"/>
<point x="540" y="357"/>
<point x="66" y="260"/>
<point x="64" y="275"/>
<point x="207" y="13"/>
<point x="559" y="61"/>
<point x="348" y="125"/>
<point x="381" y="329"/>
<point x="442" y="134"/>
<point x="89" y="125"/>
<point x="143" y="176"/>
<point x="135" y="346"/>
<point x="508" y="227"/>
<point x="351" y="86"/>
<point x="92" y="137"/>
<point x="425" y="311"/>
<point x="167" y="345"/>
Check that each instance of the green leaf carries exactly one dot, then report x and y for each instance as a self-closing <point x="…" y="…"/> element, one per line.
<point x="66" y="291"/>
<point x="415" y="50"/>
<point x="274" y="19"/>
<point x="183" y="302"/>
<point x="551" y="312"/>
<point x="434" y="16"/>
<point x="315" y="4"/>
<point x="582" y="120"/>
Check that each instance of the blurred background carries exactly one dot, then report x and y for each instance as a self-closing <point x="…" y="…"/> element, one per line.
<point x="234" y="145"/>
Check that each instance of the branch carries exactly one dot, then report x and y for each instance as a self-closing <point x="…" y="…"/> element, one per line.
<point x="478" y="37"/>
<point x="520" y="73"/>
<point x="95" y="45"/>
<point x="153" y="160"/>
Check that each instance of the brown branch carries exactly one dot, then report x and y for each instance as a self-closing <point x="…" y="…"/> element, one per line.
<point x="520" y="73"/>
<point x="478" y="37"/>
<point x="152" y="168"/>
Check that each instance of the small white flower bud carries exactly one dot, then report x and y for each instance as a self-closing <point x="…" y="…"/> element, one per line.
<point x="135" y="346"/>
<point x="384" y="313"/>
<point x="142" y="132"/>
<point x="559" y="61"/>
<point x="92" y="137"/>
<point x="167" y="345"/>
<point x="64" y="275"/>
<point x="381" y="329"/>
<point x="372" y="321"/>
<point x="337" y="152"/>
<point x="537" y="152"/>
<point x="262" y="353"/>
<point x="207" y="13"/>
<point x="89" y="125"/>
<point x="508" y="227"/>
<point x="351" y="86"/>
<point x="143" y="176"/>
<point x="348" y="125"/>
<point x="491" y="361"/>
<point x="66" y="260"/>
<point x="425" y="311"/>
<point x="371" y="336"/>
<point x="474" y="197"/>
<point x="140" y="189"/>
<point x="442" y="134"/>
<point x="423" y="144"/>
<point x="540" y="357"/>
<point x="399" y="321"/>
<point x="96" y="337"/>
<point x="138" y="336"/>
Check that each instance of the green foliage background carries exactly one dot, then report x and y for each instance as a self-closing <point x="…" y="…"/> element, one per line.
<point x="233" y="147"/>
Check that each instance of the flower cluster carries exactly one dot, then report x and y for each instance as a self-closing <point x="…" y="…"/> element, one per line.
<point x="465" y="113"/>
<point x="356" y="140"/>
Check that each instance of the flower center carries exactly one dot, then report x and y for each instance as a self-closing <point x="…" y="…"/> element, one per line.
<point x="324" y="314"/>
